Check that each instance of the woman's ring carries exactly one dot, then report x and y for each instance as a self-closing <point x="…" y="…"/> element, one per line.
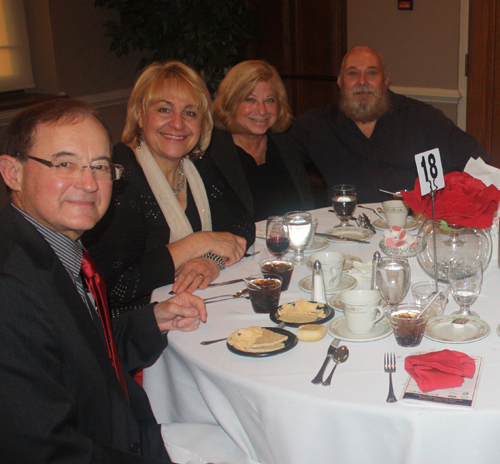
<point x="202" y="276"/>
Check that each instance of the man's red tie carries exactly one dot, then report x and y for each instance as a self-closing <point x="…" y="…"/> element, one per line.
<point x="97" y="287"/>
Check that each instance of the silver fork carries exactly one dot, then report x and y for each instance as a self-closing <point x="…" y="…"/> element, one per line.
<point x="390" y="367"/>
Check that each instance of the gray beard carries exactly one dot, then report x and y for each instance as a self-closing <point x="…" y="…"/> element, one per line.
<point x="361" y="111"/>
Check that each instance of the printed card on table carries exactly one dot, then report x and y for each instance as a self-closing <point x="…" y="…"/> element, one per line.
<point x="460" y="397"/>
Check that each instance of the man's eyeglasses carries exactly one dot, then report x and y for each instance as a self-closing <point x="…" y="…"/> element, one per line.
<point x="102" y="170"/>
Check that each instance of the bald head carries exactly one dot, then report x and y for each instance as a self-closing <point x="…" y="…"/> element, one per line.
<point x="364" y="55"/>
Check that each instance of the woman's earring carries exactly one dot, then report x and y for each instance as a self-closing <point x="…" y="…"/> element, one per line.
<point x="139" y="138"/>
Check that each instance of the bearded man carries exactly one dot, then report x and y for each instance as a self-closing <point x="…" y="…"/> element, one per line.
<point x="369" y="139"/>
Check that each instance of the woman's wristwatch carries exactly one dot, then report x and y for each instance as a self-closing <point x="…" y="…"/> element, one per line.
<point x="221" y="262"/>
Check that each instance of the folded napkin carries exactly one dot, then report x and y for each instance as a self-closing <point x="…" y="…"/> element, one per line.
<point x="440" y="369"/>
<point x="361" y="272"/>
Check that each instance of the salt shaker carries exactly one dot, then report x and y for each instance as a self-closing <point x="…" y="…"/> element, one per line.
<point x="318" y="284"/>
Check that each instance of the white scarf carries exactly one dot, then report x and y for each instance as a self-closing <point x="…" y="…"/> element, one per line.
<point x="174" y="215"/>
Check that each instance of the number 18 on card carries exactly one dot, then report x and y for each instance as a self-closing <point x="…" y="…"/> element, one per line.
<point x="430" y="171"/>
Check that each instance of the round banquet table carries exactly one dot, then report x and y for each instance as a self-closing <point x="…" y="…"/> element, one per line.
<point x="270" y="409"/>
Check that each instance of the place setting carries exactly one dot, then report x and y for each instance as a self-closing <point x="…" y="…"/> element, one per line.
<point x="336" y="280"/>
<point x="278" y="240"/>
<point x="344" y="203"/>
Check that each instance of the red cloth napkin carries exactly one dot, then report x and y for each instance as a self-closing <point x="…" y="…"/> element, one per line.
<point x="440" y="369"/>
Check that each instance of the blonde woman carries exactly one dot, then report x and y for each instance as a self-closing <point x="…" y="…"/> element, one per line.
<point x="250" y="145"/>
<point x="168" y="221"/>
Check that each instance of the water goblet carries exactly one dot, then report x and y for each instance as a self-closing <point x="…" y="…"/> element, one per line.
<point x="344" y="202"/>
<point x="300" y="227"/>
<point x="465" y="276"/>
<point x="393" y="277"/>
<point x="277" y="240"/>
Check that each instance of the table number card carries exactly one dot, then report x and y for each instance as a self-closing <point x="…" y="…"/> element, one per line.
<point x="430" y="171"/>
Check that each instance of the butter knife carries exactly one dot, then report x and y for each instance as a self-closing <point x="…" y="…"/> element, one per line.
<point x="339" y="237"/>
<point x="331" y="350"/>
<point x="228" y="282"/>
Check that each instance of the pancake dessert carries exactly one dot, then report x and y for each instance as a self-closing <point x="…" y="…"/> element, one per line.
<point x="301" y="312"/>
<point x="256" y="340"/>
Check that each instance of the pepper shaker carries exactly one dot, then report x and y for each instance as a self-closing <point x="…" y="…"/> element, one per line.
<point x="375" y="261"/>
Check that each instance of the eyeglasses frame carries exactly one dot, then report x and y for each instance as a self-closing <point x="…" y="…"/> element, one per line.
<point x="117" y="168"/>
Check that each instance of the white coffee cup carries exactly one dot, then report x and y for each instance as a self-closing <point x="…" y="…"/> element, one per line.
<point x="395" y="212"/>
<point x="361" y="310"/>
<point x="332" y="263"/>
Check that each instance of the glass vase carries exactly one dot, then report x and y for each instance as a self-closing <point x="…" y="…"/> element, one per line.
<point x="452" y="241"/>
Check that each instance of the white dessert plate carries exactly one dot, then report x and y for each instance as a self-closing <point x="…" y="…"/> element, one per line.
<point x="442" y="329"/>
<point x="347" y="263"/>
<point x="359" y="233"/>
<point x="338" y="329"/>
<point x="346" y="283"/>
<point x="380" y="224"/>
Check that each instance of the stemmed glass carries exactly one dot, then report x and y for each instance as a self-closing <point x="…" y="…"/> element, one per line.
<point x="277" y="240"/>
<point x="393" y="279"/>
<point x="300" y="228"/>
<point x="344" y="202"/>
<point x="465" y="276"/>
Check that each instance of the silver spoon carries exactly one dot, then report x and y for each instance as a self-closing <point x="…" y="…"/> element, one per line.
<point x="339" y="356"/>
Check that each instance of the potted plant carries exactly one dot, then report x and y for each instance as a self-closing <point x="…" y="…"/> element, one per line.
<point x="209" y="35"/>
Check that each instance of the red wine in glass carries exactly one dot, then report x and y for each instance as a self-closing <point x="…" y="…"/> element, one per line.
<point x="277" y="239"/>
<point x="278" y="246"/>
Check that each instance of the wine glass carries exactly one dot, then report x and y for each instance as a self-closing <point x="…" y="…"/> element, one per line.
<point x="393" y="277"/>
<point x="344" y="202"/>
<point x="300" y="227"/>
<point x="465" y="276"/>
<point x="277" y="240"/>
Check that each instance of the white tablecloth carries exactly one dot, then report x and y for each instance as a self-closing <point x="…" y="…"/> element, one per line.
<point x="273" y="413"/>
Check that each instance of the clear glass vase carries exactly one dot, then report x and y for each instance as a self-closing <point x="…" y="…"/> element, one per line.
<point x="452" y="241"/>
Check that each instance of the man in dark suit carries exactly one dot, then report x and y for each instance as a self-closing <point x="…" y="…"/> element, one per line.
<point x="62" y="400"/>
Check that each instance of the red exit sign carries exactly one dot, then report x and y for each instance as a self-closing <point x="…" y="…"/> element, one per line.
<point x="405" y="4"/>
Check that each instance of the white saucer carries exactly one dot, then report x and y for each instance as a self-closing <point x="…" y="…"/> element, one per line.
<point x="347" y="264"/>
<point x="380" y="224"/>
<point x="338" y="329"/>
<point x="335" y="302"/>
<point x="359" y="233"/>
<point x="441" y="329"/>
<point x="346" y="283"/>
<point x="318" y="244"/>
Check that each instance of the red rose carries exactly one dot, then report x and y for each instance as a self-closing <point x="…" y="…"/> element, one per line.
<point x="464" y="200"/>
